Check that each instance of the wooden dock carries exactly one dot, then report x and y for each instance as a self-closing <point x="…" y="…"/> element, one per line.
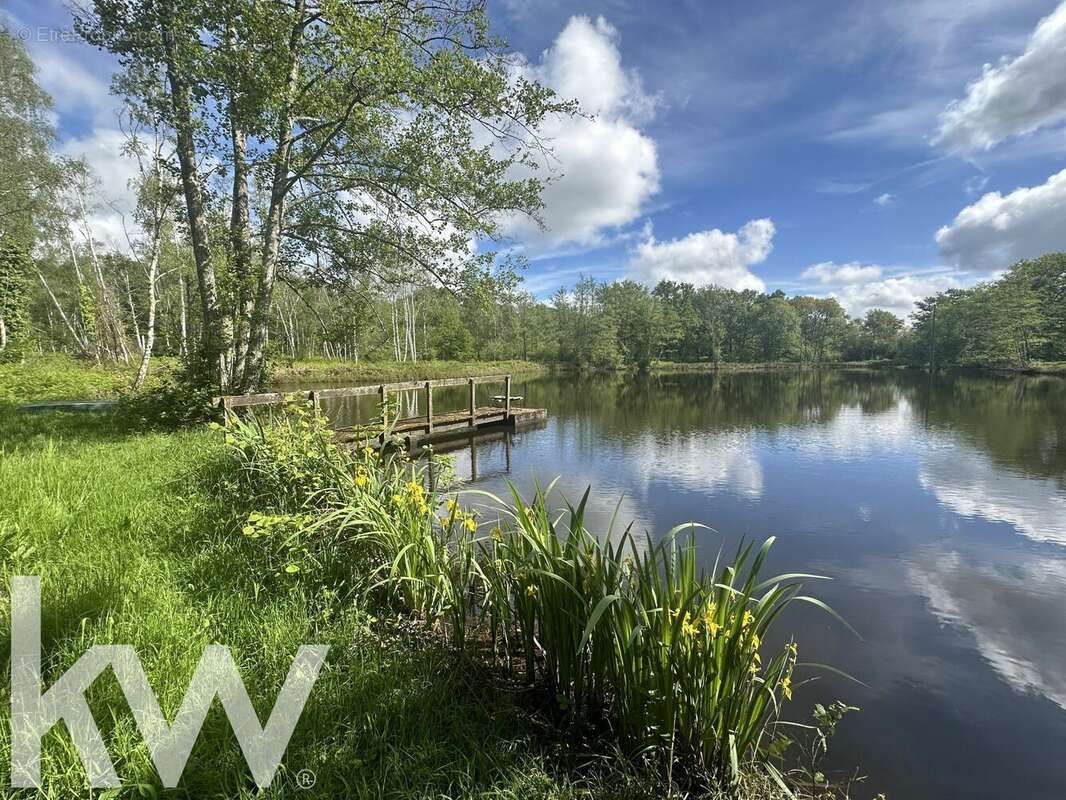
<point x="422" y="429"/>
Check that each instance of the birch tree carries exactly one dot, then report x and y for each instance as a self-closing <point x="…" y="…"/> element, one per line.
<point x="339" y="134"/>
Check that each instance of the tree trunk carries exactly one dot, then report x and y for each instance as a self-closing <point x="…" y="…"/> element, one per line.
<point x="79" y="342"/>
<point x="108" y="304"/>
<point x="149" y="333"/>
<point x="217" y="329"/>
<point x="240" y="231"/>
<point x="255" y="362"/>
<point x="183" y="319"/>
<point x="133" y="313"/>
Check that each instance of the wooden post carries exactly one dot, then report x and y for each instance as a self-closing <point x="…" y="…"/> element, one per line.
<point x="313" y="397"/>
<point x="507" y="397"/>
<point x="383" y="396"/>
<point x="429" y="407"/>
<point x="473" y="403"/>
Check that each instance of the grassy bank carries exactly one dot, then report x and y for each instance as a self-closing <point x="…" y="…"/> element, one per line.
<point x="766" y="366"/>
<point x="141" y="539"/>
<point x="136" y="541"/>
<point x="389" y="371"/>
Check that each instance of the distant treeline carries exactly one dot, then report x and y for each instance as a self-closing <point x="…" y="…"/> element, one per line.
<point x="1011" y="322"/>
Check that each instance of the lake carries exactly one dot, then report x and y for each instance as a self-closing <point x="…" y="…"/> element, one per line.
<point x="938" y="509"/>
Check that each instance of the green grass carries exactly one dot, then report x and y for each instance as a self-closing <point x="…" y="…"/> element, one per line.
<point x="136" y="543"/>
<point x="727" y="366"/>
<point x="283" y="371"/>
<point x="1048" y="367"/>
<point x="144" y="538"/>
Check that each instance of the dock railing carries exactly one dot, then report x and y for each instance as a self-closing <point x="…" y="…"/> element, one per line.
<point x="472" y="418"/>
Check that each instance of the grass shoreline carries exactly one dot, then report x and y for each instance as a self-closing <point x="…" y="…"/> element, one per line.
<point x="138" y="541"/>
<point x="390" y="371"/>
<point x="61" y="377"/>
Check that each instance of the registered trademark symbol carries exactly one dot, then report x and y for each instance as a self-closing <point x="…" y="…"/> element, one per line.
<point x="305" y="779"/>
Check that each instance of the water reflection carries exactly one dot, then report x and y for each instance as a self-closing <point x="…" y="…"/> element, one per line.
<point x="970" y="483"/>
<point x="939" y="508"/>
<point x="1013" y="607"/>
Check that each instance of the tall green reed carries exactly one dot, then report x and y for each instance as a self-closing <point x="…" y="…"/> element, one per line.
<point x="627" y="631"/>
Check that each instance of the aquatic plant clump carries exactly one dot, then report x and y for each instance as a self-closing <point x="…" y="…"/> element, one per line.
<point x="618" y="630"/>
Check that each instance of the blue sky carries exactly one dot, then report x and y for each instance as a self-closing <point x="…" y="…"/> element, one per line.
<point x="856" y="149"/>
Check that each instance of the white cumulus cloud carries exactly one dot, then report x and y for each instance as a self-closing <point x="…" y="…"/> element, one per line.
<point x="607" y="167"/>
<point x="999" y="230"/>
<point x="860" y="287"/>
<point x="895" y="294"/>
<point x="829" y="272"/>
<point x="706" y="257"/>
<point x="1015" y="97"/>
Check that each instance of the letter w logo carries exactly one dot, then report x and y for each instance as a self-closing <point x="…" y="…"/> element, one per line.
<point x="33" y="714"/>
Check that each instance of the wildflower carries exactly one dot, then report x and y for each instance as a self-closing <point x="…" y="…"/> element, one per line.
<point x="452" y="505"/>
<point x="793" y="648"/>
<point x="755" y="642"/>
<point x="470" y="523"/>
<point x="748" y="618"/>
<point x="397" y="499"/>
<point x="710" y="621"/>
<point x="532" y="590"/>
<point x="688" y="627"/>
<point x="362" y="477"/>
<point x="786" y="687"/>
<point x="368" y="451"/>
<point x="497" y="534"/>
<point x="444" y="521"/>
<point x="423" y="510"/>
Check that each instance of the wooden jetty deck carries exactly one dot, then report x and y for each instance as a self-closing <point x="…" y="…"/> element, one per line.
<point x="421" y="429"/>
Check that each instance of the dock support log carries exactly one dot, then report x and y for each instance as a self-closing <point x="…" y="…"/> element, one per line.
<point x="473" y="403"/>
<point x="507" y="396"/>
<point x="383" y="394"/>
<point x="429" y="407"/>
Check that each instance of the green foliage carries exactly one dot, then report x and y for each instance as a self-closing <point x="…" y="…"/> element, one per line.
<point x="672" y="654"/>
<point x="137" y="542"/>
<point x="29" y="174"/>
<point x="640" y="322"/>
<point x="604" y="625"/>
<point x="14" y="300"/>
<point x="59" y="377"/>
<point x="778" y="328"/>
<point x="1006" y="323"/>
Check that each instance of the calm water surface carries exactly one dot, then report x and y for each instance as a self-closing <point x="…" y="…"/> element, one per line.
<point x="939" y="510"/>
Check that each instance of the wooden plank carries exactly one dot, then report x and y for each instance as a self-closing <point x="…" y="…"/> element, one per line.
<point x="266" y="398"/>
<point x="406" y="386"/>
<point x="441" y="383"/>
<point x="351" y="391"/>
